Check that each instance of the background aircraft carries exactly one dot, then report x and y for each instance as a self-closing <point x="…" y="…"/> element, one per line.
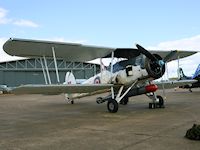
<point x="130" y="77"/>
<point x="196" y="76"/>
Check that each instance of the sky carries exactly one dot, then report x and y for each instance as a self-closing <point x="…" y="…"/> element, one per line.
<point x="155" y="24"/>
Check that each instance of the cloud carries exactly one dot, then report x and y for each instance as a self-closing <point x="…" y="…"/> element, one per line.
<point x="4" y="19"/>
<point x="25" y="23"/>
<point x="191" y="43"/>
<point x="188" y="64"/>
<point x="3" y="56"/>
<point x="61" y="39"/>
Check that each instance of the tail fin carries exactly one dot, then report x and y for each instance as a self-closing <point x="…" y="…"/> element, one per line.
<point x="197" y="73"/>
<point x="69" y="78"/>
<point x="182" y="76"/>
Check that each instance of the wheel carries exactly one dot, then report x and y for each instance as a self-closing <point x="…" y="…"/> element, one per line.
<point x="112" y="106"/>
<point x="72" y="101"/>
<point x="124" y="101"/>
<point x="152" y="105"/>
<point x="160" y="102"/>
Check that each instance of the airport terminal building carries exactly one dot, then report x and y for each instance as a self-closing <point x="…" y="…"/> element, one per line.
<point x="30" y="71"/>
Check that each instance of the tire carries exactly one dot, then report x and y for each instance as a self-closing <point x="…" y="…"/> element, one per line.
<point x="161" y="101"/>
<point x="124" y="101"/>
<point x="152" y="105"/>
<point x="112" y="106"/>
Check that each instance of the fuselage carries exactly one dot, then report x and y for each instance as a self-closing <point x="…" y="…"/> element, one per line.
<point x="126" y="72"/>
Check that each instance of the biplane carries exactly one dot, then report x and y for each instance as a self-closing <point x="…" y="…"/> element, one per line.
<point x="133" y="75"/>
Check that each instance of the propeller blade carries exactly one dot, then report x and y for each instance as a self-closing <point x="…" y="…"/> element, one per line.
<point x="146" y="53"/>
<point x="169" y="56"/>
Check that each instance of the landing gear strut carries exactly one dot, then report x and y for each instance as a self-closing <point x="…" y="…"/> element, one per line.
<point x="124" y="101"/>
<point x="112" y="104"/>
<point x="158" y="103"/>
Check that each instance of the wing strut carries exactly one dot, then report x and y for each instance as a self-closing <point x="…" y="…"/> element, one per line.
<point x="47" y="70"/>
<point x="45" y="76"/>
<point x="178" y="61"/>
<point x="111" y="70"/>
<point x="55" y="63"/>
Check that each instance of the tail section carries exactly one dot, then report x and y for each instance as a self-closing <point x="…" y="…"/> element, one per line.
<point x="197" y="73"/>
<point x="69" y="79"/>
<point x="182" y="76"/>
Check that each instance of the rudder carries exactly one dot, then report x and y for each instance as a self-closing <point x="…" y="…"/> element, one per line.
<point x="197" y="72"/>
<point x="69" y="78"/>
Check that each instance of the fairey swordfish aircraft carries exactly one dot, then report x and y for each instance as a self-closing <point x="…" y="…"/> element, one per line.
<point x="130" y="77"/>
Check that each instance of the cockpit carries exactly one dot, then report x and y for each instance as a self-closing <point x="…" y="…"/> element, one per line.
<point x="137" y="61"/>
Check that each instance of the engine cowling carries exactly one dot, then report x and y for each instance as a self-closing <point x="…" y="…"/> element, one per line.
<point x="155" y="69"/>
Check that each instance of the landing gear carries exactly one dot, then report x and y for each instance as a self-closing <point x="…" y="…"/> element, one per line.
<point x="124" y="101"/>
<point x="158" y="103"/>
<point x="68" y="100"/>
<point x="112" y="106"/>
<point x="72" y="101"/>
<point x="152" y="105"/>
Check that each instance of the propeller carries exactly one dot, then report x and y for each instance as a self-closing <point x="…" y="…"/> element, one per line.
<point x="152" y="57"/>
<point x="146" y="53"/>
<point x="155" y="65"/>
<point x="169" y="56"/>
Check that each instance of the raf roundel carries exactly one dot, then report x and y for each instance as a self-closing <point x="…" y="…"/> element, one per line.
<point x="97" y="80"/>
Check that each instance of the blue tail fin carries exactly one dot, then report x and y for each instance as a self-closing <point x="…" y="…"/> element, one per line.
<point x="197" y="73"/>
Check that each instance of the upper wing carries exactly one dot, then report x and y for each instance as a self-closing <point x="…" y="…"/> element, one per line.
<point x="175" y="54"/>
<point x="173" y="84"/>
<point x="77" y="52"/>
<point x="58" y="89"/>
<point x="69" y="51"/>
<point x="132" y="52"/>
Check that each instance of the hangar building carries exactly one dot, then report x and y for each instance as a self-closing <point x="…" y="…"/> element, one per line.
<point x="30" y="71"/>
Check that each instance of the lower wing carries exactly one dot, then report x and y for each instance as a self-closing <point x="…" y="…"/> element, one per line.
<point x="173" y="84"/>
<point x="58" y="89"/>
